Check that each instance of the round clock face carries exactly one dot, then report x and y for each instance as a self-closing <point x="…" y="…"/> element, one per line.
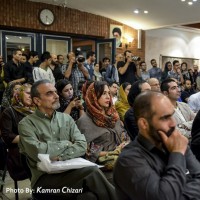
<point x="46" y="17"/>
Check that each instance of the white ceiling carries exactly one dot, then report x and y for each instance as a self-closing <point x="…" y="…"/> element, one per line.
<point x="162" y="13"/>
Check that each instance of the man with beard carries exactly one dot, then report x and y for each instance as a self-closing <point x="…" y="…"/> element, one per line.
<point x="183" y="115"/>
<point x="49" y="132"/>
<point x="158" y="164"/>
<point x="57" y="73"/>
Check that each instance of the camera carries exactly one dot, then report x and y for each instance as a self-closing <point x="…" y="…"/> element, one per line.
<point x="136" y="58"/>
<point x="81" y="59"/>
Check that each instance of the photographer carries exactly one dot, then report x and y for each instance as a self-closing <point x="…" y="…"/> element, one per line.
<point x="75" y="70"/>
<point x="129" y="70"/>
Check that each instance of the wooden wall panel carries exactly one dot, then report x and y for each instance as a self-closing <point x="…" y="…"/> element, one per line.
<point x="23" y="14"/>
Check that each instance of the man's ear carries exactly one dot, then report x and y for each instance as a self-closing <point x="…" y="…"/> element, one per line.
<point x="165" y="93"/>
<point x="143" y="123"/>
<point x="36" y="101"/>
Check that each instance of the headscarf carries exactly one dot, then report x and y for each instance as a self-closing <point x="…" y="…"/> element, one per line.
<point x="17" y="102"/>
<point x="8" y="94"/>
<point x="95" y="111"/>
<point x="122" y="104"/>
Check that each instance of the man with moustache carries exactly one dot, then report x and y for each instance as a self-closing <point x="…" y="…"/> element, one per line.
<point x="158" y="164"/>
<point x="49" y="132"/>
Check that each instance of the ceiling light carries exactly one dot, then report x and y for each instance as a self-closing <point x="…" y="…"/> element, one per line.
<point x="136" y="11"/>
<point x="182" y="0"/>
<point x="194" y="0"/>
<point x="190" y="3"/>
<point x="146" y="12"/>
<point x="20" y="38"/>
<point x="7" y="38"/>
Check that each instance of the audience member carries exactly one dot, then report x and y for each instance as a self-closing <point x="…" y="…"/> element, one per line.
<point x="112" y="72"/>
<point x="44" y="71"/>
<point x="144" y="73"/>
<point x="155" y="71"/>
<point x="69" y="103"/>
<point x="114" y="87"/>
<point x="183" y="115"/>
<point x="30" y="64"/>
<point x="158" y="164"/>
<point x="14" y="70"/>
<point x="188" y="90"/>
<point x="11" y="116"/>
<point x="167" y="68"/>
<point x="101" y="126"/>
<point x="194" y="102"/>
<point x="154" y="83"/>
<point x="97" y="75"/>
<point x="122" y="104"/>
<point x="56" y="134"/>
<point x="75" y="71"/>
<point x="57" y="73"/>
<point x="176" y="72"/>
<point x="60" y="62"/>
<point x="89" y="63"/>
<point x="130" y="123"/>
<point x="129" y="70"/>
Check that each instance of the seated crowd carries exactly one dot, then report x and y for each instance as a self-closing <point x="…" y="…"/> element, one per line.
<point x="137" y="124"/>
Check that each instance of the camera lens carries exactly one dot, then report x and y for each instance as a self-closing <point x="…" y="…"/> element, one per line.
<point x="81" y="59"/>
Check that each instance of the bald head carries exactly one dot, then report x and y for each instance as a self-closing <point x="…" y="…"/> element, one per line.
<point x="154" y="83"/>
<point x="146" y="103"/>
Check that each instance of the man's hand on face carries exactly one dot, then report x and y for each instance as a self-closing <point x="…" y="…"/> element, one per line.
<point x="176" y="142"/>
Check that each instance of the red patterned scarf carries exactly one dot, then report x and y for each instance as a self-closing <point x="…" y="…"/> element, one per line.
<point x="106" y="120"/>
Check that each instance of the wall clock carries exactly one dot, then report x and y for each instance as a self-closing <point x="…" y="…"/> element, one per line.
<point x="46" y="17"/>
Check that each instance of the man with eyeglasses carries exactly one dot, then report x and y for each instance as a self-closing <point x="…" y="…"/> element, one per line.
<point x="154" y="83"/>
<point x="176" y="72"/>
<point x="183" y="115"/>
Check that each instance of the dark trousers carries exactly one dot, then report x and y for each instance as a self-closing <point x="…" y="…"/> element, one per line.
<point x="89" y="180"/>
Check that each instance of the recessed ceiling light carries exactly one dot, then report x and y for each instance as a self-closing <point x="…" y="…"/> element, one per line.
<point x="194" y="0"/>
<point x="136" y="11"/>
<point x="146" y="11"/>
<point x="190" y="3"/>
<point x="182" y="0"/>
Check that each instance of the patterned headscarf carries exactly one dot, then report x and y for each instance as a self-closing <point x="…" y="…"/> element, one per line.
<point x="96" y="111"/>
<point x="17" y="101"/>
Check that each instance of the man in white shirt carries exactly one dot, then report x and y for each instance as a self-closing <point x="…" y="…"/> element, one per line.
<point x="43" y="71"/>
<point x="194" y="102"/>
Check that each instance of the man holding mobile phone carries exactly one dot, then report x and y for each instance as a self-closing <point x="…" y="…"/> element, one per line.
<point x="158" y="164"/>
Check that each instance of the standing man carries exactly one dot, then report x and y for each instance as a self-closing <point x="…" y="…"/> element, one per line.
<point x="158" y="164"/>
<point x="56" y="134"/>
<point x="89" y="63"/>
<point x="76" y="71"/>
<point x="14" y="70"/>
<point x="44" y="71"/>
<point x="155" y="71"/>
<point x="176" y="72"/>
<point x="62" y="66"/>
<point x="128" y="70"/>
<point x="29" y="65"/>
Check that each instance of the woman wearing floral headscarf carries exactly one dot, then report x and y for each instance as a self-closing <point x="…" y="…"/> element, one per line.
<point x="21" y="107"/>
<point x="100" y="124"/>
<point x="122" y="104"/>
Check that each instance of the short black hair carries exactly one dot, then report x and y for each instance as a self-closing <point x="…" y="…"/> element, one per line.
<point x="33" y="54"/>
<point x="112" y="82"/>
<point x="165" y="84"/>
<point x="118" y="30"/>
<point x="15" y="51"/>
<point x="106" y="58"/>
<point x="175" y="61"/>
<point x="90" y="53"/>
<point x="34" y="88"/>
<point x="45" y="56"/>
<point x="25" y="56"/>
<point x="59" y="56"/>
<point x="124" y="85"/>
